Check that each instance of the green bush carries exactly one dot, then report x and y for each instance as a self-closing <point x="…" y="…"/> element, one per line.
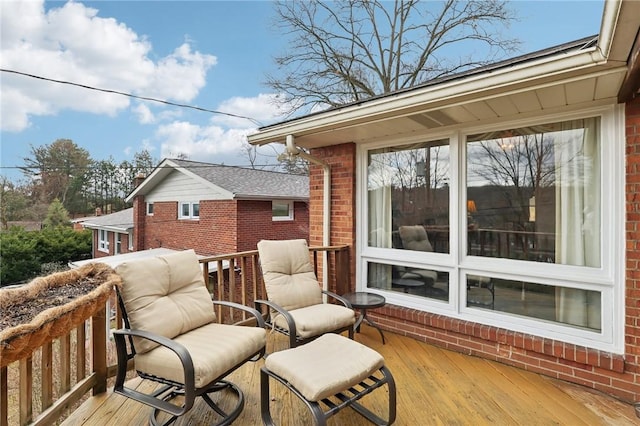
<point x="22" y="253"/>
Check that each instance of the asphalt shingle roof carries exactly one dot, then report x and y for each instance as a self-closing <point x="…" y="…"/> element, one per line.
<point x="120" y="220"/>
<point x="244" y="182"/>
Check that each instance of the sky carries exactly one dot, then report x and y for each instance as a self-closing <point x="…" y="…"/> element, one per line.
<point x="209" y="54"/>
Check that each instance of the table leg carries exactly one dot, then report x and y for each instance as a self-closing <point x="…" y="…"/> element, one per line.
<point x="371" y="323"/>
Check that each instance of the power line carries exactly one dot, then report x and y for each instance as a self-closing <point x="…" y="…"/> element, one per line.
<point x="145" y="98"/>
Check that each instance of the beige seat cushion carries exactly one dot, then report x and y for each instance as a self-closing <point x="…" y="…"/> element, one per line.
<point x="415" y="238"/>
<point x="288" y="274"/>
<point x="318" y="319"/>
<point x="165" y="295"/>
<point x="326" y="366"/>
<point x="214" y="349"/>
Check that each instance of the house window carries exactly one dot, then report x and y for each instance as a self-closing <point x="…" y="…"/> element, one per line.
<point x="103" y="240"/>
<point x="149" y="209"/>
<point x="282" y="210"/>
<point x="118" y="248"/>
<point x="189" y="210"/>
<point x="517" y="226"/>
<point x="130" y="239"/>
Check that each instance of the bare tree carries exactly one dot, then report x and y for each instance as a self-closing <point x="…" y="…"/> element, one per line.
<point x="349" y="50"/>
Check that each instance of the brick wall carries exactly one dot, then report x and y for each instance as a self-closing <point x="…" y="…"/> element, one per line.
<point x="213" y="233"/>
<point x="632" y="293"/>
<point x="255" y="223"/>
<point x="617" y="375"/>
<point x="342" y="162"/>
<point x="225" y="226"/>
<point x="139" y="222"/>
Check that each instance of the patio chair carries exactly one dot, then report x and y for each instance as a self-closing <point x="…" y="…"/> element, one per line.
<point x="295" y="299"/>
<point x="174" y="339"/>
<point x="415" y="238"/>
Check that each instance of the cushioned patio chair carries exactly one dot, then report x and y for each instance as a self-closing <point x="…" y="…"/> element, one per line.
<point x="415" y="238"/>
<point x="174" y="339"/>
<point x="295" y="299"/>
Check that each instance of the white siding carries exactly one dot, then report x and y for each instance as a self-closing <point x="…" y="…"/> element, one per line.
<point x="180" y="187"/>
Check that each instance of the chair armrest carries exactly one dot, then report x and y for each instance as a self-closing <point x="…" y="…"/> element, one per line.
<point x="248" y="309"/>
<point x="177" y="348"/>
<point x="340" y="299"/>
<point x="282" y="311"/>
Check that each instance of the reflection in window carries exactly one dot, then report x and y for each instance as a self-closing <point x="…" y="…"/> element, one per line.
<point x="573" y="307"/>
<point x="408" y="196"/>
<point x="404" y="279"/>
<point x="281" y="210"/>
<point x="533" y="193"/>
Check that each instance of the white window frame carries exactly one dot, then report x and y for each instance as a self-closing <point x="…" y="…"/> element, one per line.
<point x="609" y="279"/>
<point x="192" y="207"/>
<point x="118" y="240"/>
<point x="103" y="240"/>
<point x="130" y="240"/>
<point x="149" y="209"/>
<point x="290" y="207"/>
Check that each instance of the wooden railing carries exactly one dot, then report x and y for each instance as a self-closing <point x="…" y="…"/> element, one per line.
<point x="41" y="388"/>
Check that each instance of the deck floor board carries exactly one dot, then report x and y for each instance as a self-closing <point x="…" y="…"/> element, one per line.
<point x="434" y="387"/>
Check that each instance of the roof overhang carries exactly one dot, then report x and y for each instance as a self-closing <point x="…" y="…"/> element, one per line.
<point x="119" y="229"/>
<point x="591" y="76"/>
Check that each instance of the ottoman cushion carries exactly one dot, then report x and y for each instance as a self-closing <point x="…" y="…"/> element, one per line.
<point x="325" y="366"/>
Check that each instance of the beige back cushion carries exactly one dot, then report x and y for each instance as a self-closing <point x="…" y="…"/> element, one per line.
<point x="165" y="295"/>
<point x="415" y="238"/>
<point x="288" y="273"/>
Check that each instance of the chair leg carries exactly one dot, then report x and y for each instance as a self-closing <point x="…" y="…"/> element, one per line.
<point x="226" y="418"/>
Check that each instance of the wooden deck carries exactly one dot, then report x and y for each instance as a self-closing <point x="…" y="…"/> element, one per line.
<point x="434" y="387"/>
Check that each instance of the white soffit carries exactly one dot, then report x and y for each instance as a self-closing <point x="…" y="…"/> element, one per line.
<point x="588" y="91"/>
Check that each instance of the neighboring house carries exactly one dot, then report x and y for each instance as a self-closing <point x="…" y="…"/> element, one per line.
<point x="216" y="209"/>
<point x="112" y="233"/>
<point x="528" y="189"/>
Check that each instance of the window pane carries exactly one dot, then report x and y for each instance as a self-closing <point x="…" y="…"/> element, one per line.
<point x="403" y="279"/>
<point x="281" y="209"/>
<point x="149" y="208"/>
<point x="185" y="210"/>
<point x="408" y="195"/>
<point x="574" y="307"/>
<point x="533" y="193"/>
<point x="196" y="209"/>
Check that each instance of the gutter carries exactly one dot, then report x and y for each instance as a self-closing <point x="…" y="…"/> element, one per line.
<point x="293" y="150"/>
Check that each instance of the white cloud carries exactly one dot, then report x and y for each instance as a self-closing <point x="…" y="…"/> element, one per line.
<point x="144" y="114"/>
<point x="263" y="108"/>
<point x="201" y="143"/>
<point x="72" y="43"/>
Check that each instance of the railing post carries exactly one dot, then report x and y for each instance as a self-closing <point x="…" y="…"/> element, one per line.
<point x="343" y="271"/>
<point x="99" y="350"/>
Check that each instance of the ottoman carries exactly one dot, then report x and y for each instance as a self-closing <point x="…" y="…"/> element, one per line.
<point x="331" y="371"/>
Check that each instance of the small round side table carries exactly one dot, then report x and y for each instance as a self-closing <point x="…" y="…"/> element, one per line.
<point x="362" y="301"/>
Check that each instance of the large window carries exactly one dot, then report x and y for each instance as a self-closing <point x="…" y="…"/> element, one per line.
<point x="533" y="193"/>
<point x="408" y="197"/>
<point x="509" y="225"/>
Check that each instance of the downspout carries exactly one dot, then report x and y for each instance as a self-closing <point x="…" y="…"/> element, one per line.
<point x="293" y="150"/>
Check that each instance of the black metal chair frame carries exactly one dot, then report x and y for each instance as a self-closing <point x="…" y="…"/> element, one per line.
<point x="160" y="399"/>
<point x="294" y="339"/>
<point x="335" y="403"/>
